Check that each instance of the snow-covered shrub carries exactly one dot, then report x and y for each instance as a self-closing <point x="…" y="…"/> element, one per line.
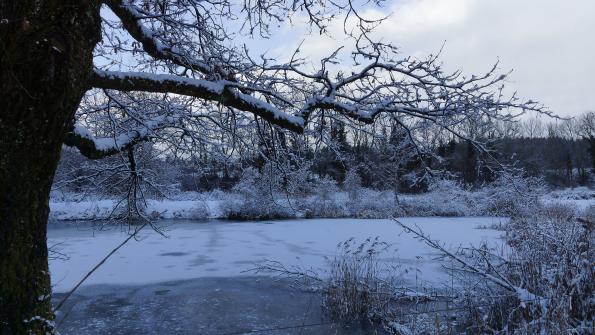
<point x="365" y="203"/>
<point x="324" y="203"/>
<point x="198" y="211"/>
<point x="352" y="185"/>
<point x="372" y="204"/>
<point x="507" y="196"/>
<point x="559" y="212"/>
<point x="256" y="198"/>
<point x="552" y="258"/>
<point x="445" y="198"/>
<point x="510" y="195"/>
<point x="298" y="181"/>
<point x="324" y="209"/>
<point x="543" y="284"/>
<point x="326" y="189"/>
<point x="589" y="213"/>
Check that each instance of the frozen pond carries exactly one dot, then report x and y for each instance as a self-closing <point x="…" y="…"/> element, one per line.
<point x="225" y="249"/>
<point x="198" y="270"/>
<point x="205" y="306"/>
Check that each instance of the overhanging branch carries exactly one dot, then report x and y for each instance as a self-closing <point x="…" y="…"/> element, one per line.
<point x="99" y="147"/>
<point x="221" y="91"/>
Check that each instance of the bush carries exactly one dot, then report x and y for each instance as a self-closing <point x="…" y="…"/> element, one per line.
<point x="559" y="212"/>
<point x="324" y="204"/>
<point x="352" y="185"/>
<point x="325" y="209"/>
<point x="199" y="211"/>
<point x="354" y="290"/>
<point x="372" y="205"/>
<point x="550" y="274"/>
<point x="445" y="198"/>
<point x="589" y="213"/>
<point x="510" y="195"/>
<point x="256" y="200"/>
<point x="358" y="287"/>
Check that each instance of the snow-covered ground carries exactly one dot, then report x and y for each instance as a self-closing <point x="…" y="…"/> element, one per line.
<point x="225" y="249"/>
<point x="581" y="197"/>
<point x="165" y="209"/>
<point x="192" y="205"/>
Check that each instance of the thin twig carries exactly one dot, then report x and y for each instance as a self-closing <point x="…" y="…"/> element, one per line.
<point x="61" y="303"/>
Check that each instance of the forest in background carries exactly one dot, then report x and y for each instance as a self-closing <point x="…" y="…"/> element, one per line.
<point x="559" y="151"/>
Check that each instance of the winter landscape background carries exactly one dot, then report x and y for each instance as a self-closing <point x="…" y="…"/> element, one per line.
<point x="344" y="167"/>
<point x="300" y="219"/>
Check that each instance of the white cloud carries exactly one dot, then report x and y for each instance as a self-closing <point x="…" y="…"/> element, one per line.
<point x="549" y="43"/>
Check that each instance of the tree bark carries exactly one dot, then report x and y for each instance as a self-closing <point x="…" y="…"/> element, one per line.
<point x="46" y="58"/>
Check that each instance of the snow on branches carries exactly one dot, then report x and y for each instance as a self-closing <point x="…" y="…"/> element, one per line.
<point x="189" y="49"/>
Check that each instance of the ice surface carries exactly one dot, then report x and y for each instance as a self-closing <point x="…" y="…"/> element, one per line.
<point x="227" y="249"/>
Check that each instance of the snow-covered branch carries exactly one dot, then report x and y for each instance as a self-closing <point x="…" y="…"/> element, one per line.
<point x="465" y="265"/>
<point x="189" y="49"/>
<point x="99" y="147"/>
<point x="221" y="91"/>
<point x="131" y="17"/>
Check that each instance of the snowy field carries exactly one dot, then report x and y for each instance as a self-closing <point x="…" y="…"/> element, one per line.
<point x="225" y="249"/>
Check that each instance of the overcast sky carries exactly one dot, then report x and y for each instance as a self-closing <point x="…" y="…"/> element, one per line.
<point x="550" y="44"/>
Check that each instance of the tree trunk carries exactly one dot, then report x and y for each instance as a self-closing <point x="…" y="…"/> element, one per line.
<point x="46" y="49"/>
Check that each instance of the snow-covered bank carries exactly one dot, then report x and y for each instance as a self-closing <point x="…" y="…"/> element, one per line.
<point x="194" y="250"/>
<point x="443" y="201"/>
<point x="164" y="209"/>
<point x="581" y="197"/>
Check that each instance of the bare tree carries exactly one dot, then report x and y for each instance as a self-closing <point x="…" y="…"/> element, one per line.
<point x="533" y="127"/>
<point x="586" y="125"/>
<point x="184" y="56"/>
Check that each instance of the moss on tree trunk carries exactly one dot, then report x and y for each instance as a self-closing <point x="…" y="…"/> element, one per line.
<point x="45" y="61"/>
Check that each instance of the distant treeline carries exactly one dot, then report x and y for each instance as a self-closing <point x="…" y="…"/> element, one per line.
<point x="562" y="162"/>
<point x="562" y="152"/>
